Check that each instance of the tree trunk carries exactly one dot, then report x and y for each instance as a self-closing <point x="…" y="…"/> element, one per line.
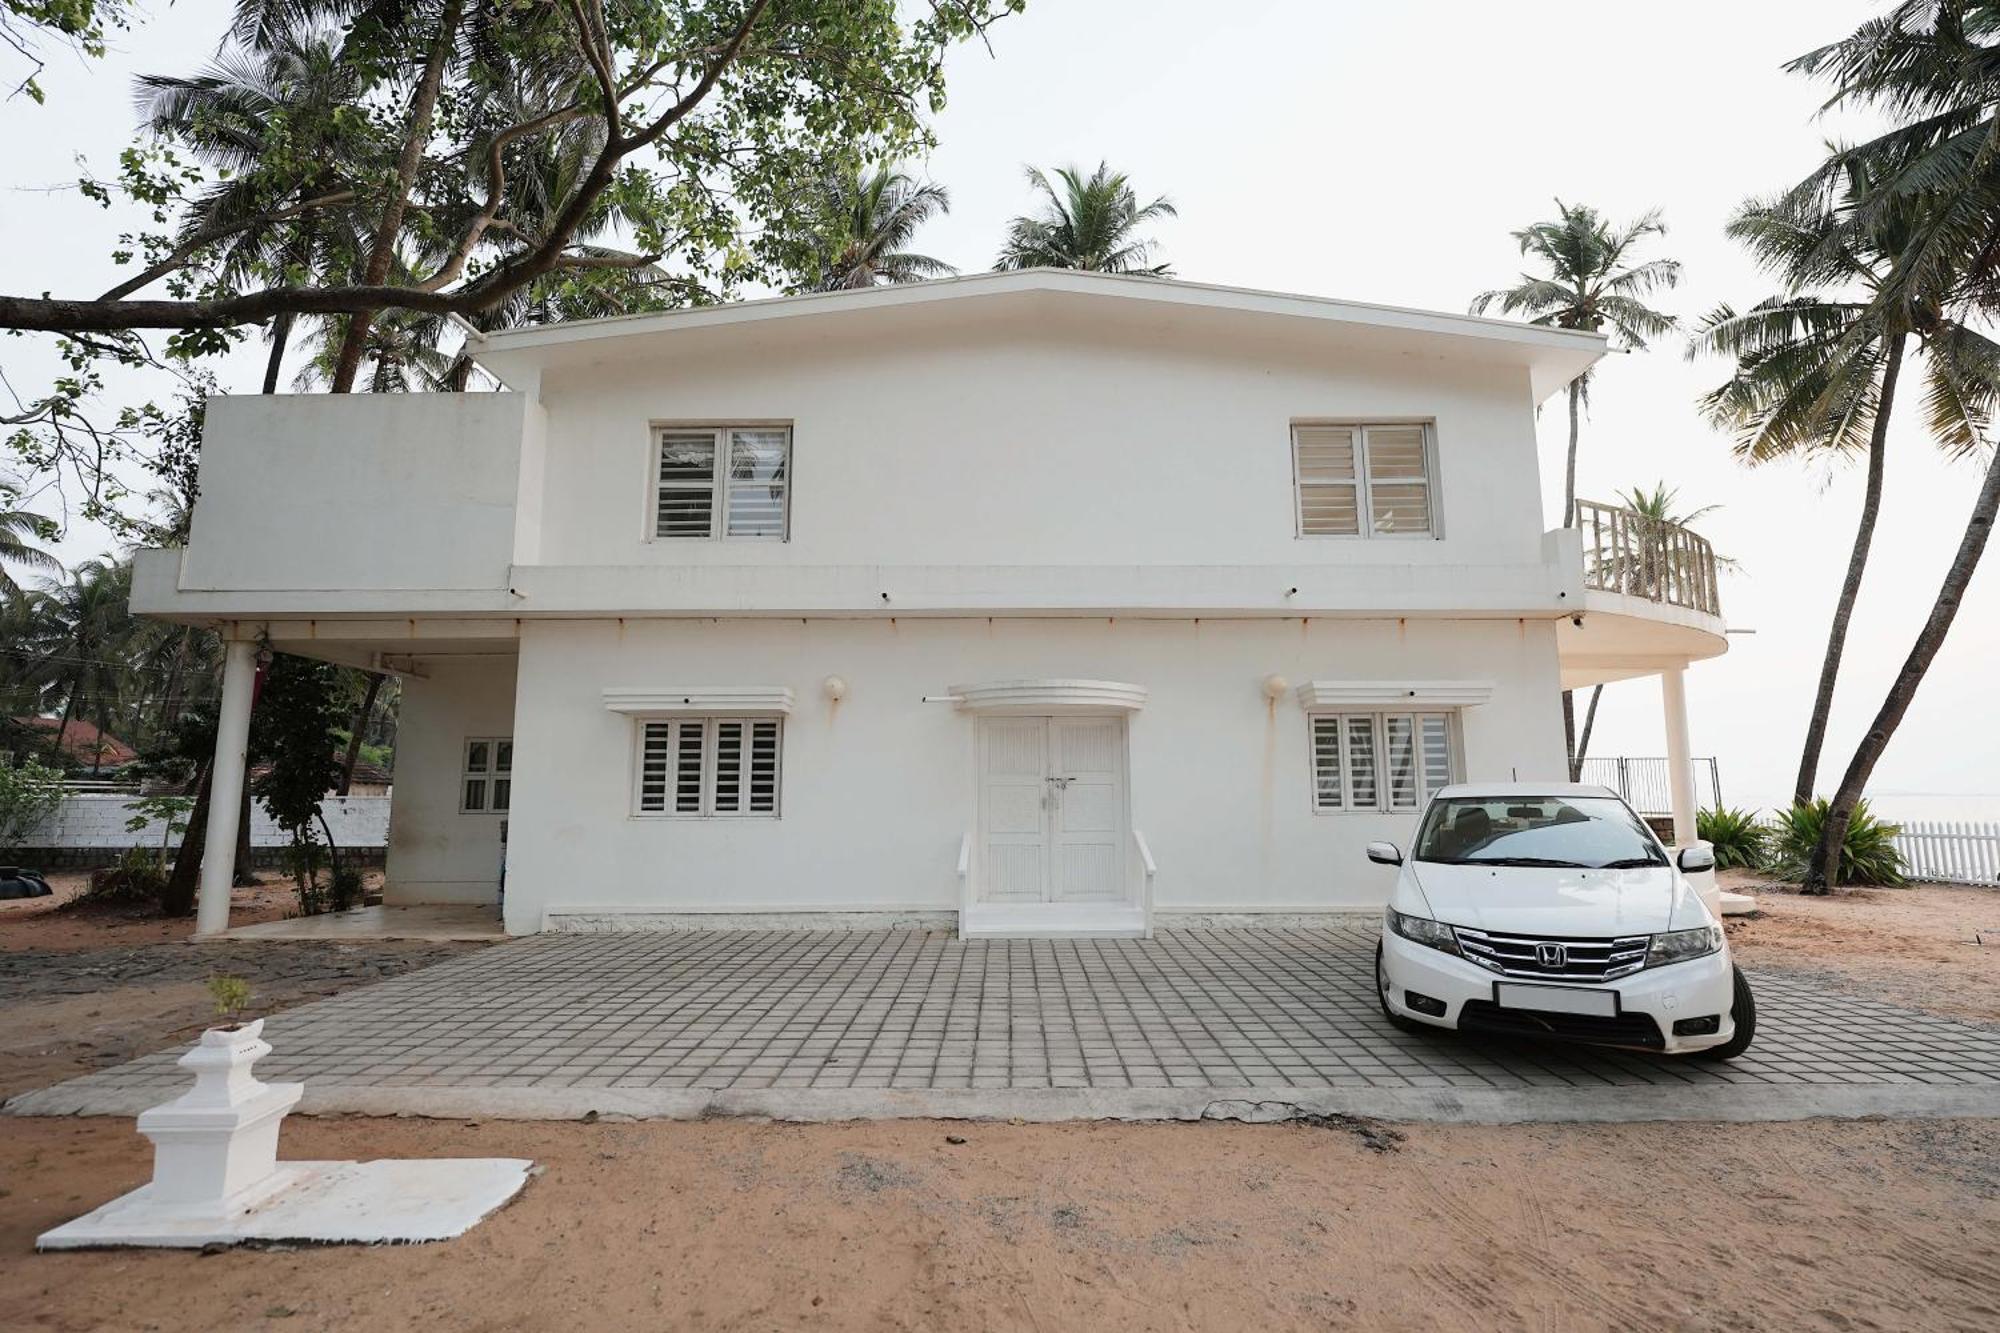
<point x="246" y="874"/>
<point x="281" y="333"/>
<point x="423" y="103"/>
<point x="1583" y="740"/>
<point x="62" y="728"/>
<point x="1569" y="727"/>
<point x="1569" y="472"/>
<point x="1833" y="835"/>
<point x="1850" y="589"/>
<point x="354" y="738"/>
<point x="182" y="885"/>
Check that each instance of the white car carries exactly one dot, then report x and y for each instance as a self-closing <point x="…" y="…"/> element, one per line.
<point x="1551" y="910"/>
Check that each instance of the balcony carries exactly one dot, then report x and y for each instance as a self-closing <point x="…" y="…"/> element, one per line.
<point x="1649" y="599"/>
<point x="1627" y="552"/>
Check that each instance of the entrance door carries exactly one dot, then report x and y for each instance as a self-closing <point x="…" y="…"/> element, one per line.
<point x="1053" y="809"/>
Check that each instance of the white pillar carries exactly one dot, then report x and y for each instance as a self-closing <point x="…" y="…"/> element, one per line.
<point x="1680" y="767"/>
<point x="225" y="794"/>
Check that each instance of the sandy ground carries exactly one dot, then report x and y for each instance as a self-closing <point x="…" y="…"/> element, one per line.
<point x="737" y="1225"/>
<point x="1930" y="947"/>
<point x="60" y="923"/>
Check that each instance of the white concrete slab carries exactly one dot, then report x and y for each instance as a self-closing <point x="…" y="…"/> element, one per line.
<point x="326" y="1203"/>
<point x="430" y="921"/>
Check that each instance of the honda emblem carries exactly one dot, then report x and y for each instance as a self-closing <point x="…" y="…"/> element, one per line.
<point x="1551" y="956"/>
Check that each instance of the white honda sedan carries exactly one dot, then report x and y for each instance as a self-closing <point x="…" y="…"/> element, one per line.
<point x="1551" y="910"/>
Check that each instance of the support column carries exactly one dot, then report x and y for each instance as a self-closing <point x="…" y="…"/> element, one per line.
<point x="225" y="797"/>
<point x="1680" y="770"/>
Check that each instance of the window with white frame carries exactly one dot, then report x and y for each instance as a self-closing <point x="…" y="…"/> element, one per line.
<point x="487" y="780"/>
<point x="1380" y="761"/>
<point x="1363" y="481"/>
<point x="701" y="766"/>
<point x="726" y="481"/>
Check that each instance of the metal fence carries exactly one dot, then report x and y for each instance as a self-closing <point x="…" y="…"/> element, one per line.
<point x="1956" y="853"/>
<point x="1645" y="785"/>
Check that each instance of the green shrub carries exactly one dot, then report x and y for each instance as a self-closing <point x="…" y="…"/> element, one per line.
<point x="1868" y="857"/>
<point x="1740" y="838"/>
<point x="345" y="888"/>
<point x="29" y="793"/>
<point x="231" y="996"/>
<point x="139" y="879"/>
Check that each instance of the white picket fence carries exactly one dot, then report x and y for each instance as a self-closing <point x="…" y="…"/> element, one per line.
<point x="1954" y="852"/>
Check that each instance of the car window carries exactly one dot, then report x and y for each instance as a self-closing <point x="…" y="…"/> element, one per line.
<point x="1589" y="831"/>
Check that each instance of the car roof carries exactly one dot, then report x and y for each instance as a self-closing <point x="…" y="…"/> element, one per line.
<point x="1474" y="791"/>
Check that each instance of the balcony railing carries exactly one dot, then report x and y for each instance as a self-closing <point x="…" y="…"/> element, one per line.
<point x="1625" y="551"/>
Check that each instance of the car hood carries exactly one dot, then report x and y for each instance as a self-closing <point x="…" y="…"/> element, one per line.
<point x="1539" y="900"/>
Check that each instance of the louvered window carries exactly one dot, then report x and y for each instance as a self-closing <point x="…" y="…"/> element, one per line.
<point x="1363" y="481"/>
<point x="1379" y="761"/>
<point x="486" y="781"/>
<point x="731" y="481"/>
<point x="698" y="766"/>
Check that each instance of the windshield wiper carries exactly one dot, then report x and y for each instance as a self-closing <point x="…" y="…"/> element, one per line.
<point x="1520" y="861"/>
<point x="1632" y="863"/>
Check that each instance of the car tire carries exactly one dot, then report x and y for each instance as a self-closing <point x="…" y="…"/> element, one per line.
<point x="1396" y="1020"/>
<point x="1743" y="1013"/>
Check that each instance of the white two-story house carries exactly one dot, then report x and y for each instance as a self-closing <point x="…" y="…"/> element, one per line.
<point x="1032" y="603"/>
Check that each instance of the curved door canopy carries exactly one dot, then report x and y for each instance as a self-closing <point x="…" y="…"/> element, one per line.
<point x="1050" y="697"/>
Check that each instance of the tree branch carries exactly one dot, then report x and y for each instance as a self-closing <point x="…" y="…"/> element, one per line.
<point x="204" y="239"/>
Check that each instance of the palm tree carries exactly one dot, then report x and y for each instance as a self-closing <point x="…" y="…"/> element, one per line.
<point x="1089" y="223"/>
<point x="86" y="621"/>
<point x="278" y="122"/>
<point x="1934" y="67"/>
<point x="18" y="530"/>
<point x="878" y="212"/>
<point x="1588" y="285"/>
<point x="1817" y="371"/>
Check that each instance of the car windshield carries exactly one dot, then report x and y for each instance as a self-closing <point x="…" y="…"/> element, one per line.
<point x="1592" y="832"/>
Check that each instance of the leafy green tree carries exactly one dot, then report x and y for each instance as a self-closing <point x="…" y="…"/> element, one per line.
<point x="87" y="620"/>
<point x="1819" y="364"/>
<point x="29" y="793"/>
<point x="1087" y="222"/>
<point x="1932" y="67"/>
<point x="81" y="24"/>
<point x="873" y="216"/>
<point x="19" y="530"/>
<point x="293" y="728"/>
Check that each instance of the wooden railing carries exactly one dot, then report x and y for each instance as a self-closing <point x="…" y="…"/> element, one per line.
<point x="1625" y="551"/>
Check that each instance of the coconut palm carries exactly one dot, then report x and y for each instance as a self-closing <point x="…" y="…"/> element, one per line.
<point x="1818" y="367"/>
<point x="1588" y="284"/>
<point x="1088" y="222"/>
<point x="19" y="530"/>
<point x="1933" y="66"/>
<point x="878" y="212"/>
<point x="85" y="622"/>
<point x="278" y="123"/>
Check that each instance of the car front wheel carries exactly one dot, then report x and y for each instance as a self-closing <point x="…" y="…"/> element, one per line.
<point x="1743" y="1013"/>
<point x="1382" y="997"/>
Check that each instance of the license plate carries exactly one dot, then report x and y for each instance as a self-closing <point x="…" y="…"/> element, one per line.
<point x="1558" y="999"/>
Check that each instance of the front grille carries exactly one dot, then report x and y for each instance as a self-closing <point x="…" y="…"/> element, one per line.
<point x="1582" y="959"/>
<point x="1624" y="1030"/>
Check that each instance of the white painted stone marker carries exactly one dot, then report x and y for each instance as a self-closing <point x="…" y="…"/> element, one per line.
<point x="217" y="1178"/>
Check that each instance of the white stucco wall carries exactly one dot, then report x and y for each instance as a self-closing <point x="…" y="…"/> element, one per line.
<point x="97" y="819"/>
<point x="436" y="854"/>
<point x="999" y="442"/>
<point x="879" y="788"/>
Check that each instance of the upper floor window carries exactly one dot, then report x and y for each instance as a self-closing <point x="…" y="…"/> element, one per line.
<point x="1350" y="473"/>
<point x="725" y="481"/>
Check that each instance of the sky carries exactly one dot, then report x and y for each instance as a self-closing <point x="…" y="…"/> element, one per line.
<point x="1386" y="153"/>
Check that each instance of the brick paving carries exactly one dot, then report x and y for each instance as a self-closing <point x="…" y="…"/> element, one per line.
<point x="923" y="1010"/>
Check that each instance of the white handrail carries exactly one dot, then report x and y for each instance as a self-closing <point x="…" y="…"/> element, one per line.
<point x="964" y="880"/>
<point x="1151" y="870"/>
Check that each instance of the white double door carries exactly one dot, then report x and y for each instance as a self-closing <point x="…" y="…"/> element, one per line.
<point x="1052" y="809"/>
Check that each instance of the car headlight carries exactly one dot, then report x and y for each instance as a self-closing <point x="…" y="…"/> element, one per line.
<point x="1422" y="930"/>
<point x="1677" y="946"/>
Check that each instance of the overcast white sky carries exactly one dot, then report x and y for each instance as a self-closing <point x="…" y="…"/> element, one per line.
<point x="1384" y="153"/>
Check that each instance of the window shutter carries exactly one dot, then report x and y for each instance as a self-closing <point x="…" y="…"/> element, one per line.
<point x="688" y="768"/>
<point x="685" y="501"/>
<point x="764" y="767"/>
<point x="1361" y="784"/>
<point x="1401" y="734"/>
<point x="1324" y="458"/>
<point x="654" y="747"/>
<point x="1437" y="753"/>
<point x="1399" y="490"/>
<point x="758" y="464"/>
<point x="1326" y="763"/>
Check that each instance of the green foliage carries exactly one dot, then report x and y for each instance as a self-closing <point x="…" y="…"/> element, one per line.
<point x="871" y="217"/>
<point x="1739" y="837"/>
<point x="1869" y="855"/>
<point x="81" y="24"/>
<point x="139" y="879"/>
<point x="344" y="888"/>
<point x="1086" y="222"/>
<point x="29" y="793"/>
<point x="231" y="996"/>
<point x="297" y="715"/>
<point x="1589" y="282"/>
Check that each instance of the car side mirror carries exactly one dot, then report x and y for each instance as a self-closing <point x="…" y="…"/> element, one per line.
<point x="1385" y="854"/>
<point x="1696" y="857"/>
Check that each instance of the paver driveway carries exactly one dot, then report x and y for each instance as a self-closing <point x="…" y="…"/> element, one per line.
<point x="921" y="1010"/>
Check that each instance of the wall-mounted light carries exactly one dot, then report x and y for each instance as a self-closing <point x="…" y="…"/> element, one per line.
<point x="835" y="687"/>
<point x="1275" y="686"/>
